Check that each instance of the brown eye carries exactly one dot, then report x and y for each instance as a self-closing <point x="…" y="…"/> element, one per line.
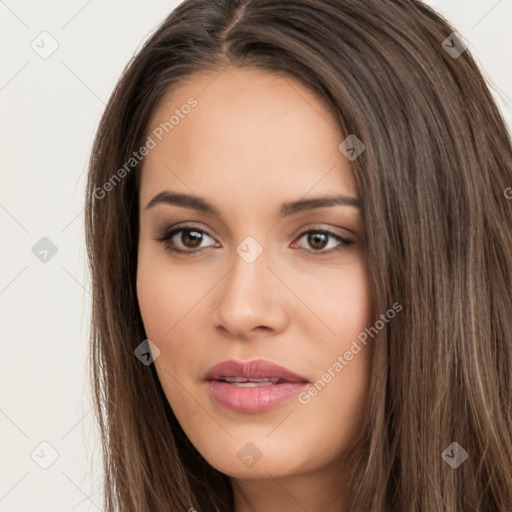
<point x="317" y="240"/>
<point x="322" y="241"/>
<point x="190" y="238"/>
<point x="186" y="239"/>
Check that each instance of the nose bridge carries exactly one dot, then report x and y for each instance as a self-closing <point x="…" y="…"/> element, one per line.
<point x="247" y="299"/>
<point x="247" y="277"/>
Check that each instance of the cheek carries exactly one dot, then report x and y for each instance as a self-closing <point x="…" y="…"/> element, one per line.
<point x="157" y="296"/>
<point x="342" y="363"/>
<point x="348" y="304"/>
<point x="339" y="298"/>
<point x="173" y="301"/>
<point x="169" y="301"/>
<point x="348" y="312"/>
<point x="168" y="293"/>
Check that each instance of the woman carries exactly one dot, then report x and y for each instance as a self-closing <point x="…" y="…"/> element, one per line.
<point x="300" y="244"/>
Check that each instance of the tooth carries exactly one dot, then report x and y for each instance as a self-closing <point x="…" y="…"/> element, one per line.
<point x="234" y="379"/>
<point x="243" y="379"/>
<point x="252" y="384"/>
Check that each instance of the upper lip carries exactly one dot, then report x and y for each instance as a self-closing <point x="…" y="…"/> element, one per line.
<point x="255" y="369"/>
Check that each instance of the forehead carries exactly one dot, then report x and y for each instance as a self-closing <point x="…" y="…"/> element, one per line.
<point x="249" y="131"/>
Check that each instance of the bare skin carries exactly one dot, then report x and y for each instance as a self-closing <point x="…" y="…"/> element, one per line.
<point x="256" y="140"/>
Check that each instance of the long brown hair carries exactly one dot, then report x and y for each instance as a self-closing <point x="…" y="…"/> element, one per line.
<point x="438" y="230"/>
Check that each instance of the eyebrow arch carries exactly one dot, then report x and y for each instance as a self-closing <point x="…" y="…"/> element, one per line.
<point x="185" y="200"/>
<point x="318" y="202"/>
<point x="287" y="209"/>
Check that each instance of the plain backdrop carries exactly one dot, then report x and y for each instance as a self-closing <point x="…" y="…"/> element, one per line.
<point x="50" y="106"/>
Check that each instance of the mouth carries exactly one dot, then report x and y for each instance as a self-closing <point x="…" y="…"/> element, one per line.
<point x="242" y="382"/>
<point x="258" y="371"/>
<point x="252" y="386"/>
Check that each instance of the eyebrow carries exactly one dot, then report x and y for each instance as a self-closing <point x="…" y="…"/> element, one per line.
<point x="287" y="209"/>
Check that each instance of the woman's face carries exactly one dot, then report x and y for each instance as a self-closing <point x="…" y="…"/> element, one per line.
<point x="241" y="258"/>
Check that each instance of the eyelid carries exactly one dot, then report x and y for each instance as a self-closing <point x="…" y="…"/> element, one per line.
<point x="177" y="228"/>
<point x="172" y="231"/>
<point x="343" y="232"/>
<point x="323" y="226"/>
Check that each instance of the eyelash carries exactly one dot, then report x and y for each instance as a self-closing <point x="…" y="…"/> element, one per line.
<point x="170" y="233"/>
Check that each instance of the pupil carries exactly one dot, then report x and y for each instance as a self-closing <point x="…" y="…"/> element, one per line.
<point x="317" y="240"/>
<point x="191" y="238"/>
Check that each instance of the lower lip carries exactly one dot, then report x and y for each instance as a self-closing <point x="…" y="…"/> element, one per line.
<point x="253" y="399"/>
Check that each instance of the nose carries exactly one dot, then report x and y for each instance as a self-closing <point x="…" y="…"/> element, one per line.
<point x="251" y="300"/>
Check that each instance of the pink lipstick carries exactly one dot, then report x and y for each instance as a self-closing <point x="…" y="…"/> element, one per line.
<point x="252" y="386"/>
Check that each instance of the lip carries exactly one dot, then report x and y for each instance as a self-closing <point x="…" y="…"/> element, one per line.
<point x="257" y="369"/>
<point x="258" y="397"/>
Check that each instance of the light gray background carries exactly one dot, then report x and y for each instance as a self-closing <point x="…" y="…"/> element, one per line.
<point x="49" y="110"/>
